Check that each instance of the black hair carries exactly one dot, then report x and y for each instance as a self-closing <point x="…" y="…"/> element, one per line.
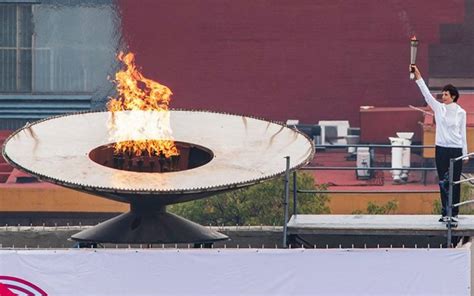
<point x="453" y="91"/>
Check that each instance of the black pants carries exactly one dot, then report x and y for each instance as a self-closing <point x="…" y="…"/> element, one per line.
<point x="443" y="154"/>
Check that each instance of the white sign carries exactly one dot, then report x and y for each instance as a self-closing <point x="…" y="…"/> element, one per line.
<point x="236" y="272"/>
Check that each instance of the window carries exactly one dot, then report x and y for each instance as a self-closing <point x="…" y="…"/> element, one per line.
<point x="16" y="32"/>
<point x="57" y="46"/>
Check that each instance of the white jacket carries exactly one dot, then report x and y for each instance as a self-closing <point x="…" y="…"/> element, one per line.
<point x="450" y="121"/>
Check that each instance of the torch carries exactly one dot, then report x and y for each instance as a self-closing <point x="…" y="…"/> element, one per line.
<point x="413" y="48"/>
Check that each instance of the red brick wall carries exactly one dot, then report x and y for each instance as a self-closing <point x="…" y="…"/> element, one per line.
<point x="280" y="59"/>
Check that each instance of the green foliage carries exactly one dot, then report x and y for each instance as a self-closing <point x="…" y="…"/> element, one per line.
<point x="437" y="207"/>
<point x="254" y="205"/>
<point x="374" y="209"/>
<point x="466" y="194"/>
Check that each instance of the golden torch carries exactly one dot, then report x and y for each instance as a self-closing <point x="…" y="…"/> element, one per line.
<point x="413" y="49"/>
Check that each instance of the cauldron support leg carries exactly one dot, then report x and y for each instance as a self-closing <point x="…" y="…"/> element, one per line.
<point x="148" y="224"/>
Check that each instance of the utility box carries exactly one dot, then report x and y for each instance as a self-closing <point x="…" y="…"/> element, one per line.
<point x="364" y="160"/>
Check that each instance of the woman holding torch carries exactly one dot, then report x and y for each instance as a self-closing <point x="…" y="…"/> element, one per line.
<point x="450" y="138"/>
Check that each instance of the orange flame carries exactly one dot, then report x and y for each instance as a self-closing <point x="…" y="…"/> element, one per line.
<point x="144" y="127"/>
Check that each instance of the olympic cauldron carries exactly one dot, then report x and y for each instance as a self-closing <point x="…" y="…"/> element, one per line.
<point x="218" y="153"/>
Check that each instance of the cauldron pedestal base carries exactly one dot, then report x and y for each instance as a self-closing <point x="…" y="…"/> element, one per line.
<point x="148" y="224"/>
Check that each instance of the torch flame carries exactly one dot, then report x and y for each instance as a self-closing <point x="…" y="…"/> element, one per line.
<point x="414" y="37"/>
<point x="144" y="126"/>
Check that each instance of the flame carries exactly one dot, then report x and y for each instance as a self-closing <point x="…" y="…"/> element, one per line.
<point x="413" y="38"/>
<point x="140" y="119"/>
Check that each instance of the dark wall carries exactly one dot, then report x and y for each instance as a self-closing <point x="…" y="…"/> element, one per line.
<point x="304" y="59"/>
<point x="453" y="56"/>
<point x="51" y="237"/>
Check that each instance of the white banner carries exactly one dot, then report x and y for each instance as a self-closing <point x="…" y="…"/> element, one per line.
<point x="236" y="272"/>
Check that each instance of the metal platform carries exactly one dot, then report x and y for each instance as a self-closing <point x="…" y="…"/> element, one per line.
<point x="377" y="225"/>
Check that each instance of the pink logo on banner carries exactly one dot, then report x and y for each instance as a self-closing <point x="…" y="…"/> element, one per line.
<point x="13" y="286"/>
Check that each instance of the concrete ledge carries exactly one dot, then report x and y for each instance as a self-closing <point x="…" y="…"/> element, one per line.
<point x="377" y="225"/>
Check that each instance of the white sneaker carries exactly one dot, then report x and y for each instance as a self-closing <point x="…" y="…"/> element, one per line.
<point x="445" y="219"/>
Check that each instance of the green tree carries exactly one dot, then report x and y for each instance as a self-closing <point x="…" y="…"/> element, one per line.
<point x="254" y="205"/>
<point x="375" y="209"/>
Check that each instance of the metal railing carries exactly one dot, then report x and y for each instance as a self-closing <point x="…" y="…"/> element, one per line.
<point x="322" y="168"/>
<point x="312" y="168"/>
<point x="450" y="221"/>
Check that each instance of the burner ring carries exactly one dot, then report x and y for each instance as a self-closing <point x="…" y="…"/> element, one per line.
<point x="191" y="156"/>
